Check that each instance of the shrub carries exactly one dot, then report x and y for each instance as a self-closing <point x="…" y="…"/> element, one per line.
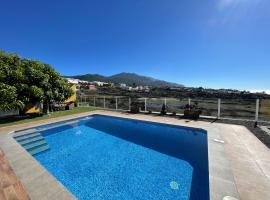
<point x="192" y="112"/>
<point x="135" y="107"/>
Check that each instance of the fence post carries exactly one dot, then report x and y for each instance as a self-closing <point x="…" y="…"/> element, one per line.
<point x="145" y="106"/>
<point x="94" y="101"/>
<point x="116" y="104"/>
<point x="219" y="106"/>
<point x="257" y="110"/>
<point x="104" y="104"/>
<point x="189" y="101"/>
<point x="129" y="103"/>
<point x="165" y="101"/>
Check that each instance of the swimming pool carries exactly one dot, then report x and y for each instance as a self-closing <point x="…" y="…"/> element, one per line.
<point x="102" y="157"/>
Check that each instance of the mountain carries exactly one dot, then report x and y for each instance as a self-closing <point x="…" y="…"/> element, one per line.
<point x="127" y="78"/>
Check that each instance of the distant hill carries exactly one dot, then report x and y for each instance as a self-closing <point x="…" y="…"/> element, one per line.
<point x="127" y="78"/>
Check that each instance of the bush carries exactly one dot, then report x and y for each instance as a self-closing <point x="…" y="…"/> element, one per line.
<point x="192" y="112"/>
<point x="135" y="107"/>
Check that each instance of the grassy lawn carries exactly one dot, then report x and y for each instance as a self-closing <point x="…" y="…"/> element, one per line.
<point x="16" y="120"/>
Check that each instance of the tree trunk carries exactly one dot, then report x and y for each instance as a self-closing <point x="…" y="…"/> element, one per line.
<point x="22" y="112"/>
<point x="46" y="108"/>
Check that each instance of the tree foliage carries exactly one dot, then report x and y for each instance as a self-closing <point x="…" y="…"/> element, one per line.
<point x="9" y="98"/>
<point x="24" y="81"/>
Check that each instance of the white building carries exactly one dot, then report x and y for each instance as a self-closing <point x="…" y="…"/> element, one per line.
<point x="99" y="83"/>
<point x="75" y="81"/>
<point x="123" y="85"/>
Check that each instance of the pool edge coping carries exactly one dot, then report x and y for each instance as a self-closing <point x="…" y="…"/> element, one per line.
<point x="221" y="179"/>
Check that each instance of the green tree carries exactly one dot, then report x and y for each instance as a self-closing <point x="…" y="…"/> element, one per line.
<point x="29" y="82"/>
<point x="9" y="98"/>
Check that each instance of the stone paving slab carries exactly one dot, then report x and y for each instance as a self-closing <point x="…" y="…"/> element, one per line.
<point x="239" y="167"/>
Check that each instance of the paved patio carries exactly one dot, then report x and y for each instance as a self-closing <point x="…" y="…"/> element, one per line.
<point x="10" y="185"/>
<point x="239" y="167"/>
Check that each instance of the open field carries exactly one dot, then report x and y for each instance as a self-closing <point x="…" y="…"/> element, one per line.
<point x="265" y="110"/>
<point x="15" y="120"/>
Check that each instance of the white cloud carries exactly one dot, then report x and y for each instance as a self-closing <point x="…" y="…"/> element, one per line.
<point x="234" y="4"/>
<point x="231" y="12"/>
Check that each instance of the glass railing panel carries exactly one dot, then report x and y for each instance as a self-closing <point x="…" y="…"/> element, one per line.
<point x="110" y="102"/>
<point x="141" y="102"/>
<point x="123" y="103"/>
<point x="82" y="101"/>
<point x="238" y="108"/>
<point x="176" y="105"/>
<point x="264" y="111"/>
<point x="99" y="101"/>
<point x="209" y="107"/>
<point x="154" y="104"/>
<point x="90" y="101"/>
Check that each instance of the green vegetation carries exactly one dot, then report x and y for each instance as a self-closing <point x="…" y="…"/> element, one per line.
<point x="31" y="118"/>
<point x="130" y="79"/>
<point x="27" y="82"/>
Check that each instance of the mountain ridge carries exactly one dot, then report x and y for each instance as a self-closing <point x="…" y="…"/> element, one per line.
<point x="127" y="78"/>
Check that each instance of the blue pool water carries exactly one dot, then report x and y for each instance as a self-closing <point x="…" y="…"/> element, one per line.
<point x="103" y="158"/>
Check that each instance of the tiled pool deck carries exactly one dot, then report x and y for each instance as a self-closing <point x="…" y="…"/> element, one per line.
<point x="239" y="167"/>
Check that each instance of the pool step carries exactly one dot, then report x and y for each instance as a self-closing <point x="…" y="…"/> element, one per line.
<point x="33" y="142"/>
<point x="34" y="139"/>
<point x="39" y="149"/>
<point x="26" y="136"/>
<point x="24" y="132"/>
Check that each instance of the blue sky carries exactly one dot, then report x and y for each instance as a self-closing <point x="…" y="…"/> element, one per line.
<point x="209" y="43"/>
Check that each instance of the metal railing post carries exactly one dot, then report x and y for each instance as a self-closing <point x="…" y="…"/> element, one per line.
<point x="165" y="101"/>
<point x="257" y="110"/>
<point x="219" y="106"/>
<point x="116" y="104"/>
<point x="189" y="103"/>
<point x="145" y="106"/>
<point x="94" y="101"/>
<point x="104" y="104"/>
<point x="129" y="103"/>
